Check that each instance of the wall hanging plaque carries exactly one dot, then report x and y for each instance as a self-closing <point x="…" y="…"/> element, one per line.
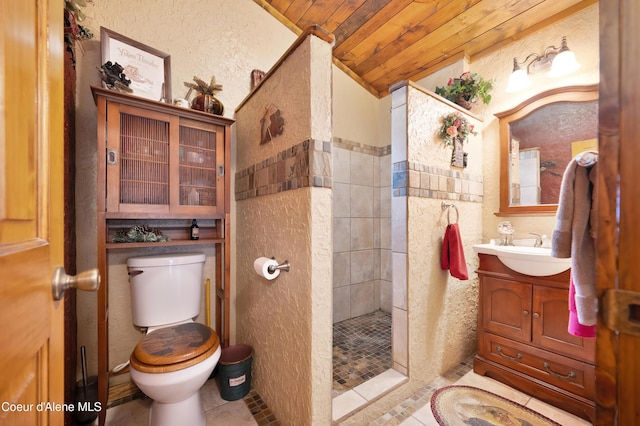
<point x="458" y="156"/>
<point x="271" y="124"/>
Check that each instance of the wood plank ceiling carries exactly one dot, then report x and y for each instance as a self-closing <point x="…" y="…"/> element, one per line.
<point x="381" y="42"/>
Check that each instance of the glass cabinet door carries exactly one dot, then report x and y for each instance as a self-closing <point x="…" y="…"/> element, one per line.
<point x="200" y="166"/>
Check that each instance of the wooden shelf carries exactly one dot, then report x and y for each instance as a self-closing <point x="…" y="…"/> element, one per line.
<point x="120" y="246"/>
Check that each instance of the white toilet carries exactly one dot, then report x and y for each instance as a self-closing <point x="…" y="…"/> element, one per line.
<point x="177" y="355"/>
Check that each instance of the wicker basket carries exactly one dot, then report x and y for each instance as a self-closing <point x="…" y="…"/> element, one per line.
<point x="460" y="100"/>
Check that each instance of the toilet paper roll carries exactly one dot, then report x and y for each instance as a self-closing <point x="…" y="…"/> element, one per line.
<point x="261" y="265"/>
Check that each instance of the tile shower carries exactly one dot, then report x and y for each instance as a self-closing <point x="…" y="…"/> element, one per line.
<point x="361" y="229"/>
<point x="362" y="287"/>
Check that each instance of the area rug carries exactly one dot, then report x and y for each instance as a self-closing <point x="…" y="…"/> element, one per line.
<point x="466" y="405"/>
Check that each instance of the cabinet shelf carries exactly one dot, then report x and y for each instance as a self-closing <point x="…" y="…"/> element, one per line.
<point x="201" y="241"/>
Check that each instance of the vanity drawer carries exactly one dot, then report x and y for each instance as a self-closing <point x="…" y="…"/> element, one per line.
<point x="566" y="373"/>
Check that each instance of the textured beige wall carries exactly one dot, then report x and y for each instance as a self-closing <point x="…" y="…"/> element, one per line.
<point x="288" y="320"/>
<point x="355" y="112"/>
<point x="582" y="34"/>
<point x="225" y="38"/>
<point x="442" y="310"/>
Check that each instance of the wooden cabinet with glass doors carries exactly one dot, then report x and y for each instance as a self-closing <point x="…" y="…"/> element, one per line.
<point x="160" y="165"/>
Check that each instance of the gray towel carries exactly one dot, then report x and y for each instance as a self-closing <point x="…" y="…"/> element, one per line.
<point x="575" y="231"/>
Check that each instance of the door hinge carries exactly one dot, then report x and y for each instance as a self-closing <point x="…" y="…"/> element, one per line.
<point x="621" y="311"/>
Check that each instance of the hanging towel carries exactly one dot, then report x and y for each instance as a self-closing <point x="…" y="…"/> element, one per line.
<point x="452" y="257"/>
<point x="575" y="328"/>
<point x="575" y="232"/>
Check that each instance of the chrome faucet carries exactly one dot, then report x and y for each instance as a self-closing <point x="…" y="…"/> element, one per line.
<point x="538" y="242"/>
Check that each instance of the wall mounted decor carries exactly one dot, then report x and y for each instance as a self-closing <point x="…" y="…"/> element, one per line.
<point x="455" y="130"/>
<point x="458" y="156"/>
<point x="271" y="124"/>
<point x="256" y="78"/>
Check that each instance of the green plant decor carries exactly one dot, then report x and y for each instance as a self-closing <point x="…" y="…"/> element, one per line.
<point x="467" y="89"/>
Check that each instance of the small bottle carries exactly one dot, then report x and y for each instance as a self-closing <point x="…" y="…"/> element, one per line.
<point x="195" y="230"/>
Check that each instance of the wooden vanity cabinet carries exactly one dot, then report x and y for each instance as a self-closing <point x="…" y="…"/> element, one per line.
<point x="160" y="165"/>
<point x="523" y="339"/>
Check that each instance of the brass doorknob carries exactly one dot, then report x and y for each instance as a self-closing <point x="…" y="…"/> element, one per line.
<point x="86" y="280"/>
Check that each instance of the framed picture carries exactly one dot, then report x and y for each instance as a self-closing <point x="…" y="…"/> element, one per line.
<point x="148" y="69"/>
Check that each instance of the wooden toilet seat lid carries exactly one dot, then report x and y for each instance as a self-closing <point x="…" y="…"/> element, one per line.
<point x="174" y="348"/>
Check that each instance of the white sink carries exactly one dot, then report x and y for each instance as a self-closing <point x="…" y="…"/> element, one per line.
<point x="534" y="261"/>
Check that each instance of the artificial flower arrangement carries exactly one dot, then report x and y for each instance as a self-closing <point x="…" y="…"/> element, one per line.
<point x="466" y="90"/>
<point x="454" y="126"/>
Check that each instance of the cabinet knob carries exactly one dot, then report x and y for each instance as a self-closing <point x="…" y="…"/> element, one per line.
<point x="536" y="315"/>
<point x="525" y="313"/>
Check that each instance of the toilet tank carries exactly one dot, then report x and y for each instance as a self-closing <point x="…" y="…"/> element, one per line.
<point x="165" y="289"/>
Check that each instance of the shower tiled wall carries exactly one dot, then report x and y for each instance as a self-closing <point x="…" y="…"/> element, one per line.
<point x="361" y="229"/>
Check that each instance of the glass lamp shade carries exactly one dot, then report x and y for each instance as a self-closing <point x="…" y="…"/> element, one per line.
<point x="518" y="80"/>
<point x="564" y="63"/>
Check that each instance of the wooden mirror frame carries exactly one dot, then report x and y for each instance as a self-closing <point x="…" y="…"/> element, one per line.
<point x="561" y="94"/>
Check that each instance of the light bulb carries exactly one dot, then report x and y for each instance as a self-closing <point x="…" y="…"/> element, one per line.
<point x="564" y="63"/>
<point x="518" y="80"/>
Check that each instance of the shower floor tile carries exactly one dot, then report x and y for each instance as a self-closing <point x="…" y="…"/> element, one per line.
<point x="361" y="350"/>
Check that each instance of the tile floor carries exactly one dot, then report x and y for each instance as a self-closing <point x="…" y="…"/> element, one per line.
<point x="361" y="350"/>
<point x="362" y="372"/>
<point x="250" y="410"/>
<point x="415" y="411"/>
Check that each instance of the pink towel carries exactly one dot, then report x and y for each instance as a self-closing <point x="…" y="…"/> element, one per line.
<point x="452" y="257"/>
<point x="575" y="328"/>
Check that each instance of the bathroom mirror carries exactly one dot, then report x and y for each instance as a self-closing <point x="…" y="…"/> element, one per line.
<point x="538" y="138"/>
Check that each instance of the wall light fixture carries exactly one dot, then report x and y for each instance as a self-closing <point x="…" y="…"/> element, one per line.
<point x="559" y="61"/>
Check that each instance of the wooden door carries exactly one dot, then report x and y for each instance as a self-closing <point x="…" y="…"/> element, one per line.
<point x="31" y="211"/>
<point x="618" y="244"/>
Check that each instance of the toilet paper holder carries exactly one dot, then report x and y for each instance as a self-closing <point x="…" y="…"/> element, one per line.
<point x="286" y="266"/>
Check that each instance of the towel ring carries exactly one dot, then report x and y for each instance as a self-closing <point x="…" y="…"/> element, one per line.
<point x="448" y="206"/>
<point x="587" y="158"/>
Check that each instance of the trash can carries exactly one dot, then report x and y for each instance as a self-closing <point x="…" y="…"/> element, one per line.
<point x="234" y="371"/>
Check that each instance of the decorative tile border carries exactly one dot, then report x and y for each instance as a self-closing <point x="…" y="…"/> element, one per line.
<point x="425" y="181"/>
<point x="378" y="151"/>
<point x="259" y="410"/>
<point x="303" y="165"/>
